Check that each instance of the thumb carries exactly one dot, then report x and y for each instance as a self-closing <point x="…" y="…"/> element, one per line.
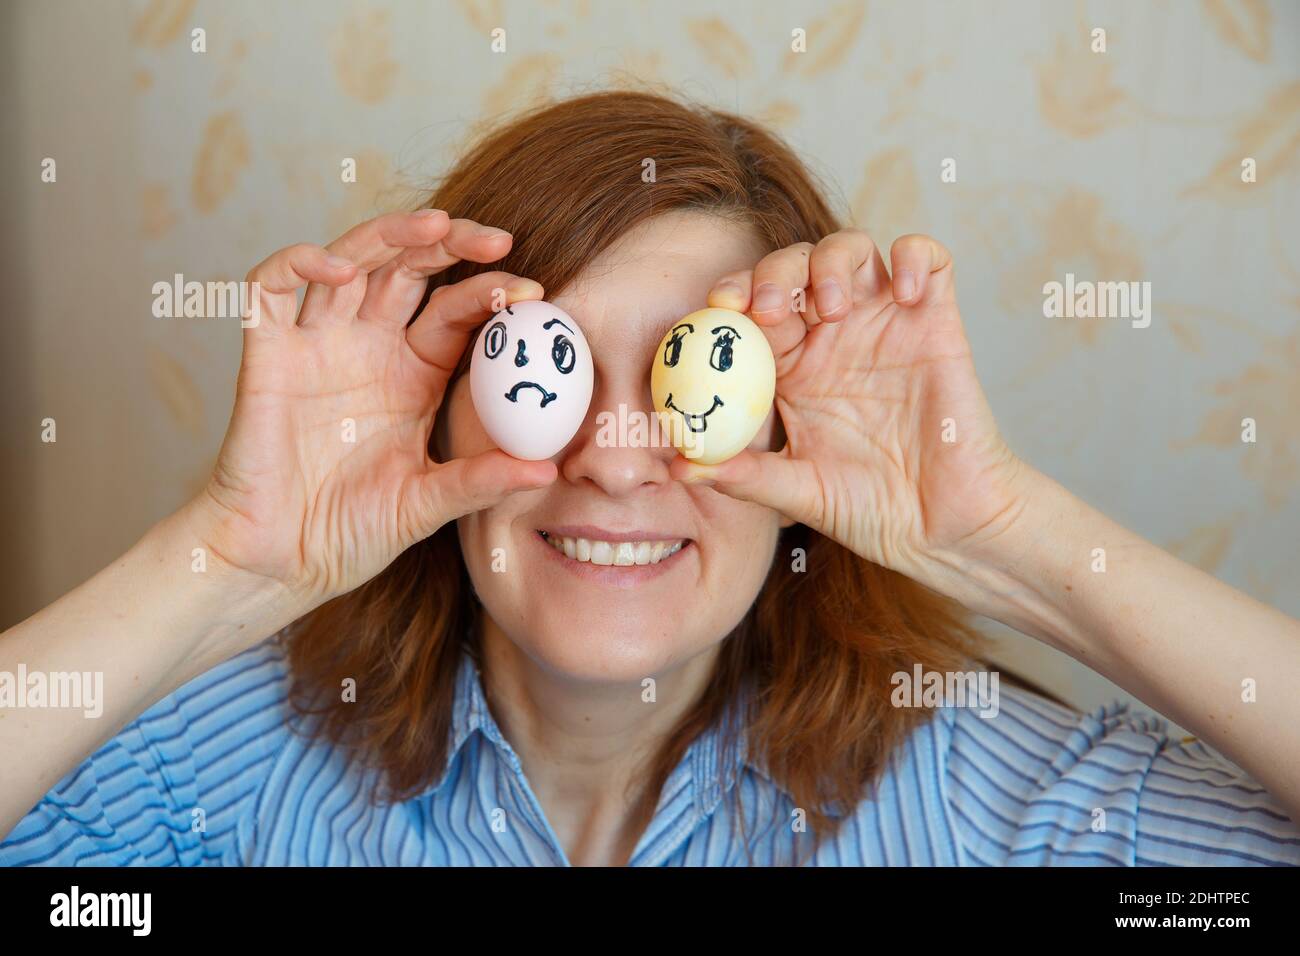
<point x="449" y="490"/>
<point x="771" y="479"/>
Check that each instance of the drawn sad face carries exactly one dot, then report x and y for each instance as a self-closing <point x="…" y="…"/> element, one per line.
<point x="531" y="379"/>
<point x="713" y="381"/>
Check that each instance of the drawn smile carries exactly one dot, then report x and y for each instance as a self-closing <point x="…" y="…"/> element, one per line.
<point x="696" y="423"/>
<point x="547" y="397"/>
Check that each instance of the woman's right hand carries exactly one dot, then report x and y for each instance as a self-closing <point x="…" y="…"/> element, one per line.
<point x="324" y="477"/>
<point x="298" y="509"/>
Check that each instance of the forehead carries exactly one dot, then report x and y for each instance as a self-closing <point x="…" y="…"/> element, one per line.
<point x="637" y="289"/>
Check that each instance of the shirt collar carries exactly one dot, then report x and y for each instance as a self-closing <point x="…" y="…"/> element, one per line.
<point x="714" y="767"/>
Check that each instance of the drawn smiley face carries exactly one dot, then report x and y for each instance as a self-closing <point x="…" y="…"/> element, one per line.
<point x="531" y="379"/>
<point x="713" y="379"/>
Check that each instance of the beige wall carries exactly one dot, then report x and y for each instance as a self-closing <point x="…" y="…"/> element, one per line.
<point x="1115" y="166"/>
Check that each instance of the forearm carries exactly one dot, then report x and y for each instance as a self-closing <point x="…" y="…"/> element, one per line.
<point x="1213" y="659"/>
<point x="147" y="623"/>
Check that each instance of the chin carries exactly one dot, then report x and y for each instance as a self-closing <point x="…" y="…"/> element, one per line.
<point x="603" y="646"/>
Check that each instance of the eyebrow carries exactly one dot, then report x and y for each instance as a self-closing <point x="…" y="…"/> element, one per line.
<point x="550" y="322"/>
<point x="729" y="328"/>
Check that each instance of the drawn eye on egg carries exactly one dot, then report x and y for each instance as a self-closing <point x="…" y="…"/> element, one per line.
<point x="722" y="354"/>
<point x="494" y="340"/>
<point x="563" y="354"/>
<point x="673" y="347"/>
<point x="531" y="407"/>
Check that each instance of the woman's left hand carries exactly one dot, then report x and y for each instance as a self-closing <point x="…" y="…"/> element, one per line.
<point x="892" y="452"/>
<point x="891" y="449"/>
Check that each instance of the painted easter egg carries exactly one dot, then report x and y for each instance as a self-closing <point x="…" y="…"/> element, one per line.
<point x="531" y="378"/>
<point x="713" y="381"/>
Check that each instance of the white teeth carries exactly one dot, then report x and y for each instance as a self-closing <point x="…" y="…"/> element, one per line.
<point x="616" y="553"/>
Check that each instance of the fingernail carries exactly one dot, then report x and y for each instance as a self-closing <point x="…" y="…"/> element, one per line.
<point x="337" y="262"/>
<point x="905" y="282"/>
<point x="768" y="298"/>
<point x="727" y="287"/>
<point x="695" y="475"/>
<point x="829" y="297"/>
<point x="426" y="213"/>
<point x="487" y="231"/>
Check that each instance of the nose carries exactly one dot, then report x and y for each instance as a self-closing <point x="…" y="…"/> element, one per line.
<point x="619" y="448"/>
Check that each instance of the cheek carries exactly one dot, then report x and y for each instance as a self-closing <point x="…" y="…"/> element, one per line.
<point x="480" y="533"/>
<point x="742" y="537"/>
<point x="489" y="542"/>
<point x="460" y="435"/>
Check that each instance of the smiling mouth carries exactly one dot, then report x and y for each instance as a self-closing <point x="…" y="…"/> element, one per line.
<point x="547" y="397"/>
<point x="696" y="423"/>
<point x="614" y="553"/>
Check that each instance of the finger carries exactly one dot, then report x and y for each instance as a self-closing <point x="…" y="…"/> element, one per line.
<point x="845" y="272"/>
<point x="465" y="239"/>
<point x="370" y="245"/>
<point x="394" y="291"/>
<point x="734" y="291"/>
<point x="771" y="479"/>
<point x="922" y="270"/>
<point x="441" y="333"/>
<point x="452" y="489"/>
<point x="778" y="278"/>
<point x="275" y="281"/>
<point x="379" y="240"/>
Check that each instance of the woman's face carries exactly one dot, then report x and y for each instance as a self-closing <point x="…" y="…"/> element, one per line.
<point x="590" y="616"/>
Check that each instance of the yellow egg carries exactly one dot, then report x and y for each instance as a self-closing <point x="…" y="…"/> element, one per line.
<point x="713" y="380"/>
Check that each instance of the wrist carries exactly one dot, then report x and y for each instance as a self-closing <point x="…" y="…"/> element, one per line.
<point x="221" y="609"/>
<point x="1019" y="573"/>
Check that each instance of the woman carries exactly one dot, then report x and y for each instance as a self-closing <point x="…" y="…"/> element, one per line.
<point x="410" y="648"/>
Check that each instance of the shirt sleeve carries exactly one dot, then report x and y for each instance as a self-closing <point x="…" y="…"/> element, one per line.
<point x="175" y="787"/>
<point x="1040" y="784"/>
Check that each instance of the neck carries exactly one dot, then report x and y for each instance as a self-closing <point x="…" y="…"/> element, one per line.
<point x="586" y="745"/>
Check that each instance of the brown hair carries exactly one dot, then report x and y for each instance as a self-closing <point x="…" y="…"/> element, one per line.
<point x="810" y="664"/>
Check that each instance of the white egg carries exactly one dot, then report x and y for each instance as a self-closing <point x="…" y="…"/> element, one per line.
<point x="531" y="379"/>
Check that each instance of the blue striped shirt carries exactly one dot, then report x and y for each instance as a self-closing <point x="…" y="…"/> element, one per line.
<point x="213" y="774"/>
